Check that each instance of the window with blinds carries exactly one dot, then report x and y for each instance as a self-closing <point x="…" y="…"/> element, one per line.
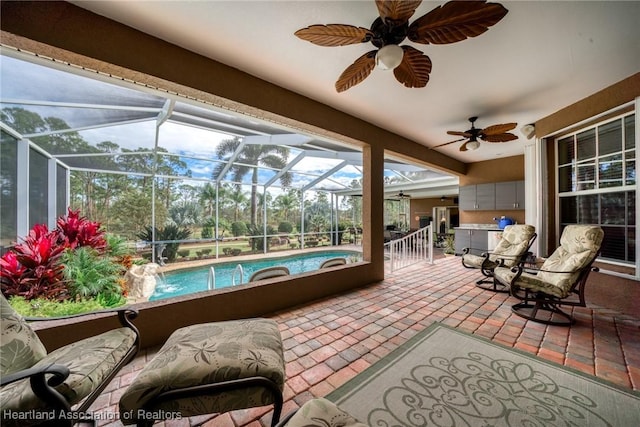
<point x="597" y="183"/>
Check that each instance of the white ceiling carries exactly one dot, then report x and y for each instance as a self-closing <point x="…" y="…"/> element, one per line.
<point x="543" y="56"/>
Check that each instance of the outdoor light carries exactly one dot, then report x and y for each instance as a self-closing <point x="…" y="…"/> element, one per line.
<point x="528" y="130"/>
<point x="389" y="57"/>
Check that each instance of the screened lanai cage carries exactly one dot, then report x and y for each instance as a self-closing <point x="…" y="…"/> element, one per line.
<point x="163" y="170"/>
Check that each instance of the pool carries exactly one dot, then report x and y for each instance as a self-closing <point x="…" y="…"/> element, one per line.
<point x="193" y="280"/>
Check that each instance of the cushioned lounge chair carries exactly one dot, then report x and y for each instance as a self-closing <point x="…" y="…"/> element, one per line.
<point x="269" y="272"/>
<point x="512" y="250"/>
<point x="333" y="262"/>
<point x="57" y="388"/>
<point x="560" y="281"/>
<point x="209" y="368"/>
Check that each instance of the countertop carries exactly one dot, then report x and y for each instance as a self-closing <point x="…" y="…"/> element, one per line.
<point x="488" y="227"/>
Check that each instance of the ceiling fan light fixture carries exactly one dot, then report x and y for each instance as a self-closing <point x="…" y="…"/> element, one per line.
<point x="473" y="145"/>
<point x="389" y="57"/>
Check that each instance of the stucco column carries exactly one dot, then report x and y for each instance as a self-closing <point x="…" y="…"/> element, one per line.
<point x="373" y="207"/>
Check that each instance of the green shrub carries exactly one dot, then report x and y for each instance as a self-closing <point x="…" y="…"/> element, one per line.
<point x="207" y="232"/>
<point x="239" y="229"/>
<point x="117" y="246"/>
<point x="257" y="243"/>
<point x="285" y="227"/>
<point x="89" y="275"/>
<point x="184" y="253"/>
<point x="41" y="307"/>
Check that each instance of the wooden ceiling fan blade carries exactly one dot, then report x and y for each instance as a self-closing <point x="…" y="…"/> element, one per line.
<point x="455" y="21"/>
<point x="414" y="69"/>
<point x="501" y="137"/>
<point x="450" y="142"/>
<point x="396" y="12"/>
<point x="463" y="147"/>
<point x="497" y="129"/>
<point x="334" y="34"/>
<point x="357" y="72"/>
<point x="465" y="134"/>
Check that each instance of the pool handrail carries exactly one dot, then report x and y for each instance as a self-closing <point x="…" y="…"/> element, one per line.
<point x="241" y="271"/>
<point x="211" y="280"/>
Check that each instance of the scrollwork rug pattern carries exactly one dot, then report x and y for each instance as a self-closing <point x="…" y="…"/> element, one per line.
<point x="445" y="377"/>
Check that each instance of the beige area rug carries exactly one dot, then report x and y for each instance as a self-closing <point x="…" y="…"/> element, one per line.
<point x="445" y="377"/>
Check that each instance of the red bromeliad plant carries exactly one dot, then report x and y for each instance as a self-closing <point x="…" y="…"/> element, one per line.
<point x="75" y="231"/>
<point x="32" y="268"/>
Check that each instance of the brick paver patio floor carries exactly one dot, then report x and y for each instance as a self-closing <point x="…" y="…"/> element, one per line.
<point x="328" y="342"/>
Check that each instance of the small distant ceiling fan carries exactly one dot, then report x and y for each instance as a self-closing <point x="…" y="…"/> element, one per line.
<point x="401" y="195"/>
<point x="452" y="22"/>
<point x="495" y="133"/>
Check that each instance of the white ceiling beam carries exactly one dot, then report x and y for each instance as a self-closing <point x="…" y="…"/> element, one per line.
<point x="325" y="175"/>
<point x="81" y="128"/>
<point x="41" y="103"/>
<point x="279" y="139"/>
<point x="165" y="113"/>
<point x="210" y="124"/>
<point x="286" y="169"/>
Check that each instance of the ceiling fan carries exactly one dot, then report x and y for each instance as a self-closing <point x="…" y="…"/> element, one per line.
<point x="452" y="22"/>
<point x="495" y="133"/>
<point x="402" y="196"/>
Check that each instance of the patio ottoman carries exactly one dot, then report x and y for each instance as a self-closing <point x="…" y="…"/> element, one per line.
<point x="209" y="368"/>
<point x="320" y="412"/>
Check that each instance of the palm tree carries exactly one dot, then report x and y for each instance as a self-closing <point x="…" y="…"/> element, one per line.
<point x="286" y="203"/>
<point x="208" y="198"/>
<point x="248" y="161"/>
<point x="238" y="200"/>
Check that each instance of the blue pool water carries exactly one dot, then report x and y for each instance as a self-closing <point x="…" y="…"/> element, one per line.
<point x="193" y="280"/>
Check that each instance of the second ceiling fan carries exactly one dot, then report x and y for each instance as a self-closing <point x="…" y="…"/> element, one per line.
<point x="495" y="133"/>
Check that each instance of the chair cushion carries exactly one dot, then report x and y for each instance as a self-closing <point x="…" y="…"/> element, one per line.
<point x="322" y="413"/>
<point x="210" y="353"/>
<point x="532" y="282"/>
<point x="89" y="360"/>
<point x="476" y="261"/>
<point x="20" y="347"/>
<point x="504" y="275"/>
<point x="563" y="269"/>
<point x="579" y="244"/>
<point x="513" y="244"/>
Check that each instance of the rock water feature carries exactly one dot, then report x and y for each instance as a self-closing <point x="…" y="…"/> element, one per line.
<point x="142" y="281"/>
